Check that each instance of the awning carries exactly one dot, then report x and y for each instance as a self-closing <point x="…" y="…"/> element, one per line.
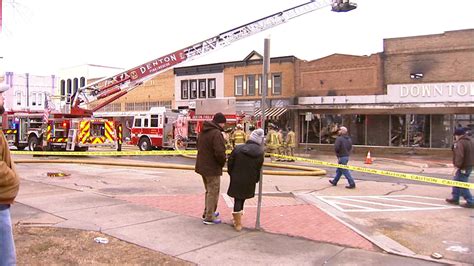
<point x="272" y="113"/>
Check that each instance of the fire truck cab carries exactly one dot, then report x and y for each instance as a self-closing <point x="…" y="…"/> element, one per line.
<point x="151" y="129"/>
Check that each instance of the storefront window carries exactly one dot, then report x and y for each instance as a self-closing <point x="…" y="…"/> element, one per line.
<point x="356" y="126"/>
<point x="441" y="131"/>
<point x="309" y="129"/>
<point x="398" y="130"/>
<point x="377" y="130"/>
<point x="329" y="127"/>
<point x="419" y="130"/>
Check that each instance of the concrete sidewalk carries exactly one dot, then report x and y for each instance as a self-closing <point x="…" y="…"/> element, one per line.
<point x="182" y="234"/>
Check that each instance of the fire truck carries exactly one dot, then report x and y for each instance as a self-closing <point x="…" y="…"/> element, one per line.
<point x="78" y="134"/>
<point x="162" y="129"/>
<point x="23" y="129"/>
<point x="74" y="129"/>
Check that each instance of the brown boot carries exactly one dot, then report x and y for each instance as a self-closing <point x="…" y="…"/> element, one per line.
<point x="237" y="220"/>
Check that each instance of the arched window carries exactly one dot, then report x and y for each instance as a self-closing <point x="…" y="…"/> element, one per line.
<point x="63" y="87"/>
<point x="83" y="81"/>
<point x="76" y="85"/>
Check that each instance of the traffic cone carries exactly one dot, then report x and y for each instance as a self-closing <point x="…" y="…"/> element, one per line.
<point x="368" y="159"/>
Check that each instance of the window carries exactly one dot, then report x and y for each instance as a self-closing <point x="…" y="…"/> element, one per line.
<point x="41" y="98"/>
<point x="276" y="84"/>
<point x="76" y="85"/>
<point x="154" y="120"/>
<point x="18" y="97"/>
<point x="202" y="88"/>
<point x="83" y="81"/>
<point x="211" y="88"/>
<point x="239" y="85"/>
<point x="145" y="122"/>
<point x="63" y="87"/>
<point x="98" y="129"/>
<point x="138" y="122"/>
<point x="69" y="89"/>
<point x="193" y="85"/>
<point x="258" y="84"/>
<point x="184" y="89"/>
<point x="251" y="85"/>
<point x="33" y="98"/>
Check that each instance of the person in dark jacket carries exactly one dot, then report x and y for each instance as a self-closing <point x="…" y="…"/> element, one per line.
<point x="463" y="161"/>
<point x="343" y="148"/>
<point x="244" y="166"/>
<point x="210" y="159"/>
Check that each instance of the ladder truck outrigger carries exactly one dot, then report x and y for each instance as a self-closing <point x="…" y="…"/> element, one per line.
<point x="107" y="90"/>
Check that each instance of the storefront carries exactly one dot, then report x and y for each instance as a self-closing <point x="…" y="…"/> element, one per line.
<point x="409" y="115"/>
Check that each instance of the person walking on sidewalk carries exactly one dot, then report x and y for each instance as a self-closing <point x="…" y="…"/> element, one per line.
<point x="343" y="148"/>
<point x="210" y="159"/>
<point x="463" y="161"/>
<point x="244" y="165"/>
<point x="9" y="186"/>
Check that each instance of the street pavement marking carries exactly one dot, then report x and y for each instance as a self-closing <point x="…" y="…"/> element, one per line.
<point x="376" y="203"/>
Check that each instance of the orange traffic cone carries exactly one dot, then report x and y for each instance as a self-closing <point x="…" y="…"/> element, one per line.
<point x="368" y="160"/>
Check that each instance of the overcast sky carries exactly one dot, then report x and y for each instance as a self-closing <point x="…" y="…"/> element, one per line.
<point x="41" y="37"/>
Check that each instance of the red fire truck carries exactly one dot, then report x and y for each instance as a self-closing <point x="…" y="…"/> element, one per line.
<point x="161" y="129"/>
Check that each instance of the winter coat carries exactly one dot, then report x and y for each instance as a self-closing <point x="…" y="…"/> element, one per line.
<point x="9" y="179"/>
<point x="343" y="146"/>
<point x="244" y="165"/>
<point x="463" y="153"/>
<point x="211" y="150"/>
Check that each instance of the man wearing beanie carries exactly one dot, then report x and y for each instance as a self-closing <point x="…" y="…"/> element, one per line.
<point x="210" y="159"/>
<point x="244" y="165"/>
<point x="463" y="160"/>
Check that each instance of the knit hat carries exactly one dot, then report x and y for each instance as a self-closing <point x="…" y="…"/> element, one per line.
<point x="257" y="136"/>
<point x="219" y="118"/>
<point x="459" y="131"/>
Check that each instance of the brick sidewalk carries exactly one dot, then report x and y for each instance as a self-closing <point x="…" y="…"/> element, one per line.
<point x="280" y="215"/>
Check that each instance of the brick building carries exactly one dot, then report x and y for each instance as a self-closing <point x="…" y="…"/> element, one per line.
<point x="413" y="94"/>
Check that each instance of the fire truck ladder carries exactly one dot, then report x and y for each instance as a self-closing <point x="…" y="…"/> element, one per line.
<point x="112" y="88"/>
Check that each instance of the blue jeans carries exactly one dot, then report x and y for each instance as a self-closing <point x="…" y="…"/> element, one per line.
<point x="7" y="246"/>
<point x="463" y="176"/>
<point x="341" y="171"/>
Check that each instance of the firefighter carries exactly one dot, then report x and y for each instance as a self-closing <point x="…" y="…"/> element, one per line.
<point x="238" y="137"/>
<point x="272" y="141"/>
<point x="281" y="147"/>
<point x="227" y="133"/>
<point x="290" y="144"/>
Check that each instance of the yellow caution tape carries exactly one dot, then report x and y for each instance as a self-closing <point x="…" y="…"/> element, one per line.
<point x="433" y="180"/>
<point x="104" y="153"/>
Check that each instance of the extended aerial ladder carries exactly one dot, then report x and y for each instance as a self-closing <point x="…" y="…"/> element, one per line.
<point x="111" y="88"/>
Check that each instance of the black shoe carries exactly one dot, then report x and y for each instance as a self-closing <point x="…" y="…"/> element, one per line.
<point x="332" y="183"/>
<point x="467" y="205"/>
<point x="452" y="201"/>
<point x="351" y="187"/>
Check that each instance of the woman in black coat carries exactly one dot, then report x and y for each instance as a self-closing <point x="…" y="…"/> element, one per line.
<point x="244" y="166"/>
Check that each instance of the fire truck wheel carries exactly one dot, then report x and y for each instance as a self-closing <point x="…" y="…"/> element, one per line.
<point x="32" y="143"/>
<point x="144" y="144"/>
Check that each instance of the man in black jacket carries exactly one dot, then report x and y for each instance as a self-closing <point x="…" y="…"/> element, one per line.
<point x="343" y="148"/>
<point x="210" y="159"/>
<point x="463" y="161"/>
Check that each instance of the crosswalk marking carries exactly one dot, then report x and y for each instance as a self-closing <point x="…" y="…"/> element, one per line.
<point x="389" y="203"/>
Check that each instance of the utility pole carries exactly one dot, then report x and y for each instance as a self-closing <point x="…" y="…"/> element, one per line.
<point x="264" y="85"/>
